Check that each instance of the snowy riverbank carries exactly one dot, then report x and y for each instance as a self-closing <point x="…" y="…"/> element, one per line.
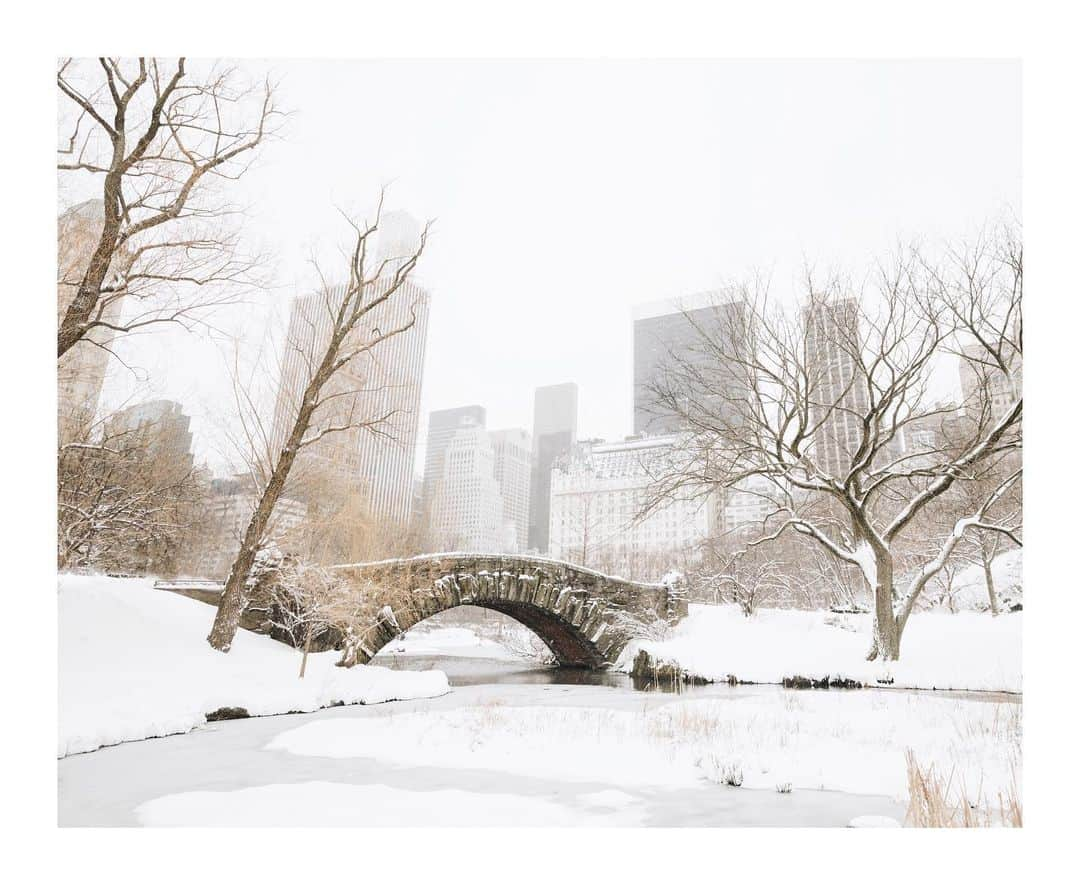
<point x="970" y="651"/>
<point x="757" y="738"/>
<point x="134" y="663"/>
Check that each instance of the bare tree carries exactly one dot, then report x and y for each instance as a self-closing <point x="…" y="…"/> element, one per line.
<point x="127" y="499"/>
<point x="333" y="352"/>
<point x="163" y="145"/>
<point x="307" y="601"/>
<point x="746" y="577"/>
<point x="824" y="397"/>
<point x="582" y="520"/>
<point x="1000" y="531"/>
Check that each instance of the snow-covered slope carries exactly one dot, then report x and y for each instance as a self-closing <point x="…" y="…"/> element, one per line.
<point x="134" y="663"/>
<point x="967" y="650"/>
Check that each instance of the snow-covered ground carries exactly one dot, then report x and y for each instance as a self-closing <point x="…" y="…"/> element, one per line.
<point x="323" y="804"/>
<point x="854" y="742"/>
<point x="968" y="591"/>
<point x="963" y="651"/>
<point x="134" y="664"/>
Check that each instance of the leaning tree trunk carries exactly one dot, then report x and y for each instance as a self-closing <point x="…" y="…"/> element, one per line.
<point x="234" y="598"/>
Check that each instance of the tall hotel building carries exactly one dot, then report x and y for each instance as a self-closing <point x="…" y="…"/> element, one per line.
<point x="598" y="491"/>
<point x="672" y="334"/>
<point x="383" y="384"/>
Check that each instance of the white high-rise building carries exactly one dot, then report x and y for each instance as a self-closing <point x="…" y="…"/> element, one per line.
<point x="381" y="385"/>
<point x="597" y="495"/>
<point x="513" y="463"/>
<point x="466" y="509"/>
<point x="442" y="425"/>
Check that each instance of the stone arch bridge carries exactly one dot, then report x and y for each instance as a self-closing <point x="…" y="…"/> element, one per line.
<point x="585" y="618"/>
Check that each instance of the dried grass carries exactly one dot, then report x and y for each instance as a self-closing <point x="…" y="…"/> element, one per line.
<point x="934" y="802"/>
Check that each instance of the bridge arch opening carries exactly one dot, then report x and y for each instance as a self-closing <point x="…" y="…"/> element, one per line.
<point x="471" y="631"/>
<point x="568" y="646"/>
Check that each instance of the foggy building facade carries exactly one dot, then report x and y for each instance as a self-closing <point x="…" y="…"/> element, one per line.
<point x="221" y="530"/>
<point x="839" y="397"/>
<point x="161" y="429"/>
<point x="442" y="425"/>
<point x="383" y="384"/>
<point x="513" y="473"/>
<point x="555" y="409"/>
<point x="466" y="508"/>
<point x="80" y="373"/>
<point x="598" y="491"/>
<point x="670" y="336"/>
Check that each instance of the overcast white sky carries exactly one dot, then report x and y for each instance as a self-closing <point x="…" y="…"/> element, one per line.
<point x="567" y="192"/>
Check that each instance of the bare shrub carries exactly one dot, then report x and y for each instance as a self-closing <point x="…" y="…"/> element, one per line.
<point x="722" y="771"/>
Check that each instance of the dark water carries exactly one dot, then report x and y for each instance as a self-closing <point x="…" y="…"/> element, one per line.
<point x="462" y="671"/>
<point x="466" y="671"/>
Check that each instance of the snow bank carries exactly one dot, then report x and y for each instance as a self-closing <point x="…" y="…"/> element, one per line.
<point x="855" y="742"/>
<point x="969" y="585"/>
<point x="134" y="664"/>
<point x="967" y="650"/>
<point x="559" y="743"/>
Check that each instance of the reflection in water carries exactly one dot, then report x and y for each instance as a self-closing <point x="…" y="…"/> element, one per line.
<point x="462" y="671"/>
<point x="492" y="671"/>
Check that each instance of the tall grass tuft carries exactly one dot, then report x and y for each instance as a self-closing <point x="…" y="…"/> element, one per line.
<point x="932" y="802"/>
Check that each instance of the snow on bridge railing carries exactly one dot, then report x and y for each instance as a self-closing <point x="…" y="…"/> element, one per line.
<point x="184" y="584"/>
<point x="517" y="557"/>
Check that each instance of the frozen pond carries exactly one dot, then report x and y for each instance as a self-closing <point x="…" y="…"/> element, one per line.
<point x="227" y="772"/>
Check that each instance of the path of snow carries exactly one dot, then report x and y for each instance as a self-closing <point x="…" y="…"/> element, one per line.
<point x="852" y="741"/>
<point x="964" y="651"/>
<point x="134" y="664"/>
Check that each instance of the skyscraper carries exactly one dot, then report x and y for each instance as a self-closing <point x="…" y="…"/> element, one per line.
<point x="80" y="373"/>
<point x="442" y="425"/>
<point x="466" y="506"/>
<point x="838" y="397"/>
<point x="513" y="473"/>
<point x="696" y="332"/>
<point x="380" y="385"/>
<point x="554" y="433"/>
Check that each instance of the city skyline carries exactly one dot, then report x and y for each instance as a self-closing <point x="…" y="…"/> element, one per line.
<point x="839" y="195"/>
<point x="586" y="442"/>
